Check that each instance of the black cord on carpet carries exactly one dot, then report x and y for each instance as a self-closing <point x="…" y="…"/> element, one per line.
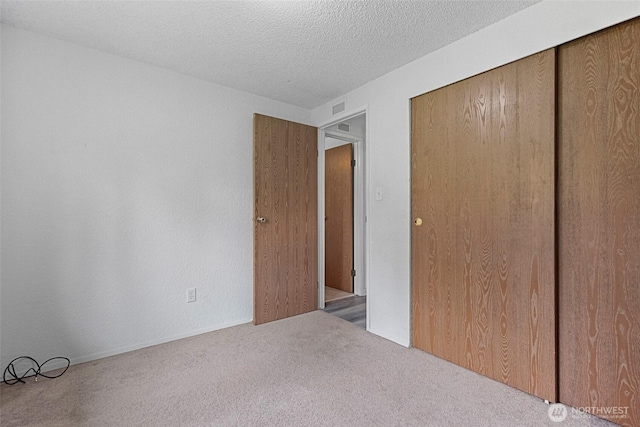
<point x="11" y="370"/>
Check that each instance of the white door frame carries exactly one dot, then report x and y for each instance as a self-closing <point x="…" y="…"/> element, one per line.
<point x="360" y="240"/>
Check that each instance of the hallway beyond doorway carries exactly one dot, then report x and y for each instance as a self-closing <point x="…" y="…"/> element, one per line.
<point x="352" y="309"/>
<point x="332" y="294"/>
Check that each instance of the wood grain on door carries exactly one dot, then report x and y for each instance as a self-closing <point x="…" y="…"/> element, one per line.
<point x="339" y="217"/>
<point x="286" y="219"/>
<point x="599" y="223"/>
<point x="482" y="190"/>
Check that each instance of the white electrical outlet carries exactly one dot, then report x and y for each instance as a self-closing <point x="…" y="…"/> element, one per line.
<point x="191" y="295"/>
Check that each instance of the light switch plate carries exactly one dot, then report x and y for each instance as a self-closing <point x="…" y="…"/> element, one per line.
<point x="378" y="193"/>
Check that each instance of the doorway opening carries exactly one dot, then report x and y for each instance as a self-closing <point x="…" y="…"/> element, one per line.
<point x="342" y="286"/>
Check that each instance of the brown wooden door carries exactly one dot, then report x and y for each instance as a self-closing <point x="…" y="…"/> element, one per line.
<point x="482" y="190"/>
<point x="286" y="200"/>
<point x="339" y="217"/>
<point x="599" y="223"/>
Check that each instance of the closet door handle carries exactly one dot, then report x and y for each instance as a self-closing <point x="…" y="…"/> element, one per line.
<point x="418" y="222"/>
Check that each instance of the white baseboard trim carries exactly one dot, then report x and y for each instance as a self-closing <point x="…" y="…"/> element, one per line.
<point x="101" y="355"/>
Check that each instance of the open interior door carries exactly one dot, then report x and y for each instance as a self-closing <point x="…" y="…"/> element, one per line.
<point x="285" y="219"/>
<point x="339" y="218"/>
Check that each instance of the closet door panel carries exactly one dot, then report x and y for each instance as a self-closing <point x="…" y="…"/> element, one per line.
<point x="599" y="222"/>
<point x="483" y="238"/>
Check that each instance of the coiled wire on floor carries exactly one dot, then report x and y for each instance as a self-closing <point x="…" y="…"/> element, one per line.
<point x="14" y="378"/>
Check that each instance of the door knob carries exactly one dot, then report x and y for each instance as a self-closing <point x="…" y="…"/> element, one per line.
<point x="261" y="219"/>
<point x="418" y="222"/>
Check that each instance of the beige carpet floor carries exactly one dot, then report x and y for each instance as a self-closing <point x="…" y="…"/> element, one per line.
<point x="310" y="370"/>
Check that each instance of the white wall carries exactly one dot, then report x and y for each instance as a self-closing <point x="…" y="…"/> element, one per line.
<point x="356" y="127"/>
<point x="122" y="185"/>
<point x="330" y="143"/>
<point x="544" y="25"/>
<point x="1" y="366"/>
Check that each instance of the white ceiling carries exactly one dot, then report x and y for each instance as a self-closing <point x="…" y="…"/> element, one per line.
<point x="304" y="53"/>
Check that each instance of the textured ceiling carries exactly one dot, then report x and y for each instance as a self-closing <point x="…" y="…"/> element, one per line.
<point x="303" y="53"/>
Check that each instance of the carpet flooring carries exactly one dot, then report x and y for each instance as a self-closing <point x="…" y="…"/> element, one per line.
<point x="309" y="370"/>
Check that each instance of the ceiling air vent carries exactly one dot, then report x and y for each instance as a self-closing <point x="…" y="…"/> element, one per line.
<point x="338" y="108"/>
<point x="343" y="127"/>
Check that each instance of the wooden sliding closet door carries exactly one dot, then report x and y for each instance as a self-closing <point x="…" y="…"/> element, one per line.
<point x="599" y="223"/>
<point x="483" y="236"/>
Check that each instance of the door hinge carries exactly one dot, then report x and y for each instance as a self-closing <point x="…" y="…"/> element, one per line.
<point x="353" y="163"/>
<point x="353" y="273"/>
